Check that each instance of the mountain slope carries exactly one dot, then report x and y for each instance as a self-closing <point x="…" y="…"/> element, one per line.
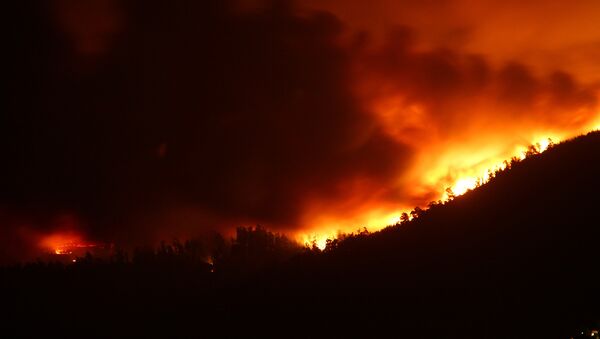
<point x="517" y="257"/>
<point x="540" y="216"/>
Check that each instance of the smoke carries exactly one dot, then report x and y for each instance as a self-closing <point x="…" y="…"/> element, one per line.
<point x="449" y="94"/>
<point x="148" y="119"/>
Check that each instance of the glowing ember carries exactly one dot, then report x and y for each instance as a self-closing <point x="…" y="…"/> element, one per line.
<point x="66" y="243"/>
<point x="69" y="248"/>
<point x="61" y="251"/>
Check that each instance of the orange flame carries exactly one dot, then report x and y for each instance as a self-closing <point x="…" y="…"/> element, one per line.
<point x="458" y="173"/>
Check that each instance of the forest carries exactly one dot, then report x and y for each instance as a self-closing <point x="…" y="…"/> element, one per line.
<point x="516" y="257"/>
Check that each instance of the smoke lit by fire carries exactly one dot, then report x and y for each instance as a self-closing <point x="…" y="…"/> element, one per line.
<point x="309" y="117"/>
<point x="446" y="182"/>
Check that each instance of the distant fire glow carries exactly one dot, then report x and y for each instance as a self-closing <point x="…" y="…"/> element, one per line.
<point x="65" y="243"/>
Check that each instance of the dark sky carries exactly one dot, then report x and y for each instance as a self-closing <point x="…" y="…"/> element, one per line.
<point x="138" y="120"/>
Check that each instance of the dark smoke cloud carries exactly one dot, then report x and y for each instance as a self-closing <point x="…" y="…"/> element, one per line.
<point x="140" y="106"/>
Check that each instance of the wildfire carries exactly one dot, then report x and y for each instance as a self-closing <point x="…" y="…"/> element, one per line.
<point x="328" y="227"/>
<point x="463" y="185"/>
<point x="449" y="183"/>
<point x="318" y="239"/>
<point x="372" y="221"/>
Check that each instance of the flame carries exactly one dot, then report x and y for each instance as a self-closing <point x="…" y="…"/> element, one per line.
<point x="464" y="184"/>
<point x="445" y="167"/>
<point x="318" y="239"/>
<point x="330" y="227"/>
<point x="461" y="175"/>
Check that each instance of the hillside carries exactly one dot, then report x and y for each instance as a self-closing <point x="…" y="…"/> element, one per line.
<point x="518" y="256"/>
<point x="515" y="258"/>
<point x="539" y="217"/>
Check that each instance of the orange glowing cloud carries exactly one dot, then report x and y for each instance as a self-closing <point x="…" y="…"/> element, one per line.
<point x="464" y="113"/>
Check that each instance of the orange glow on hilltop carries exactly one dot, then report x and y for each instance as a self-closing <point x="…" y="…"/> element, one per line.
<point x="445" y="164"/>
<point x="331" y="227"/>
<point x="460" y="174"/>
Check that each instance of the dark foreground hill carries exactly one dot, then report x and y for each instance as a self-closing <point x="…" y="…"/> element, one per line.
<point x="516" y="258"/>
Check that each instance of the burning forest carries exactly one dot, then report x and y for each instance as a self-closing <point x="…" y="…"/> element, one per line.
<point x="283" y="134"/>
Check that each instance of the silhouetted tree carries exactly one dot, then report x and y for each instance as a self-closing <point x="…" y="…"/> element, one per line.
<point x="416" y="212"/>
<point x="450" y="193"/>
